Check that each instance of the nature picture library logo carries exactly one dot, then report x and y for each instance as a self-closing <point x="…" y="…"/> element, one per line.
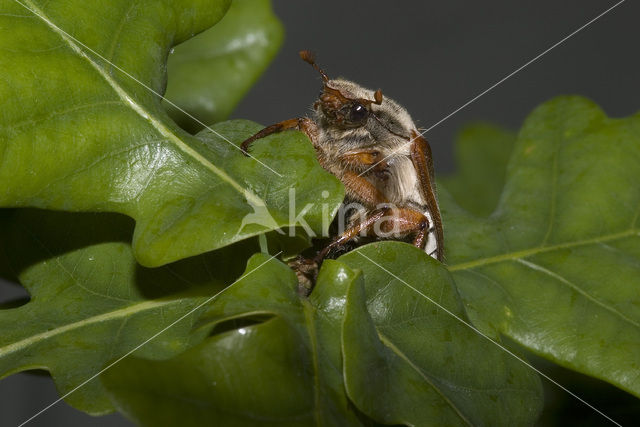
<point x="260" y="215"/>
<point x="348" y="215"/>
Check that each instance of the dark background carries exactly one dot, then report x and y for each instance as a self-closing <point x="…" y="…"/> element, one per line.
<point x="432" y="57"/>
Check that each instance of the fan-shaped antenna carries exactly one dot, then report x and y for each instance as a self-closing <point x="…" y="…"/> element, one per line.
<point x="309" y="57"/>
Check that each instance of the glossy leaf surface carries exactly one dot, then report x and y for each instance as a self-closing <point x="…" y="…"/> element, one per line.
<point x="91" y="303"/>
<point x="76" y="133"/>
<point x="546" y="253"/>
<point x="557" y="266"/>
<point x="211" y="72"/>
<point x="415" y="361"/>
<point x="324" y="343"/>
<point x="285" y="371"/>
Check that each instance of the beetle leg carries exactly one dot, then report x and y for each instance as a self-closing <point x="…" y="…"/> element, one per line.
<point x="360" y="189"/>
<point x="351" y="232"/>
<point x="303" y="124"/>
<point x="361" y="158"/>
<point x="402" y="221"/>
<point x="407" y="221"/>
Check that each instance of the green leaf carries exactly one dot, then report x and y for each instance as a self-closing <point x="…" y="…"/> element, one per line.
<point x="91" y="303"/>
<point x="210" y="73"/>
<point x="286" y="371"/>
<point x="481" y="152"/>
<point x="295" y="193"/>
<point x="292" y="369"/>
<point x="557" y="265"/>
<point x="289" y="246"/>
<point x="412" y="362"/>
<point x="78" y="134"/>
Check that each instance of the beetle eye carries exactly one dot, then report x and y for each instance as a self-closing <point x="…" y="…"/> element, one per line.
<point x="358" y="113"/>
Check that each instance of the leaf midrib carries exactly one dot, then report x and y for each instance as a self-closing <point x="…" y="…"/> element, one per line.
<point x="128" y="100"/>
<point x="388" y="343"/>
<point x="108" y="316"/>
<point x="512" y="256"/>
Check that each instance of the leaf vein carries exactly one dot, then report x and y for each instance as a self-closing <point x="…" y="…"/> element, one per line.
<point x="627" y="257"/>
<point x="128" y="99"/>
<point x="115" y="314"/>
<point x="66" y="270"/>
<point x="576" y="288"/>
<point x="387" y="342"/>
<point x="100" y="159"/>
<point x="62" y="112"/>
<point x="533" y="251"/>
<point x="116" y="37"/>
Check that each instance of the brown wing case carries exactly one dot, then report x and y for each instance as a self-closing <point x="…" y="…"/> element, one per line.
<point x="423" y="164"/>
